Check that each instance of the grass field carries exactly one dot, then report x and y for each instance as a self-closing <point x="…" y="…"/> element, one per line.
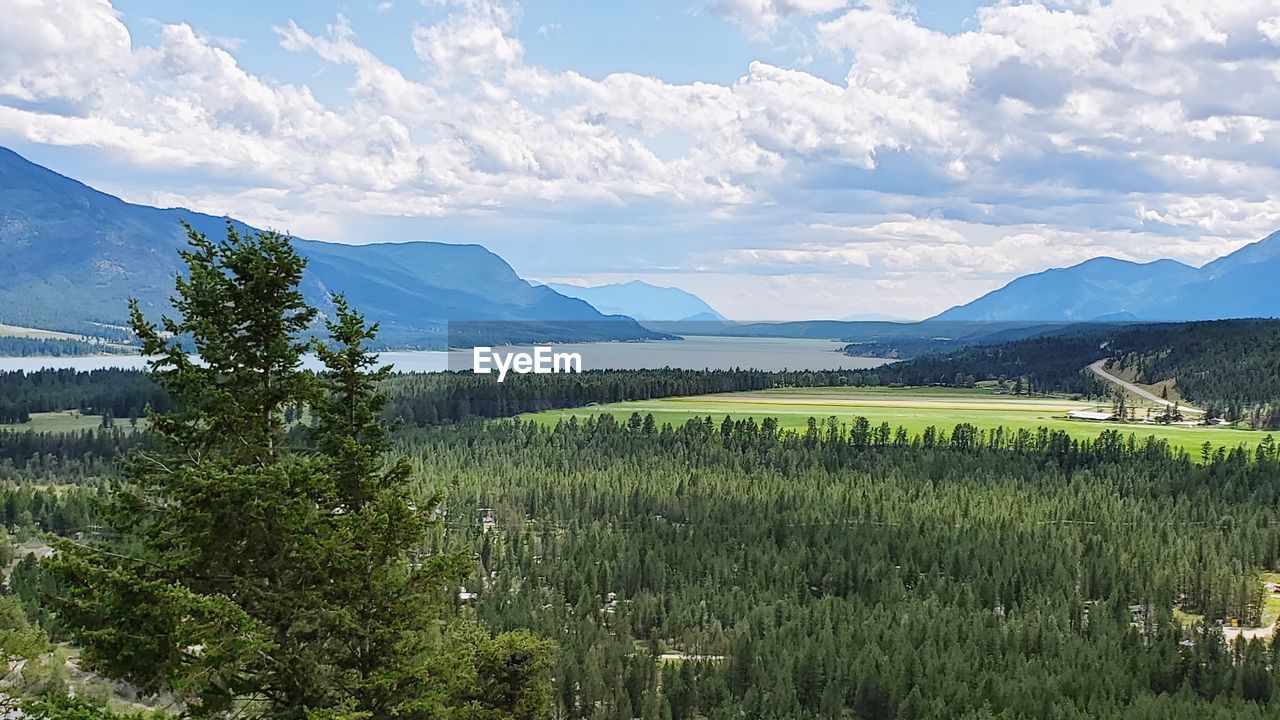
<point x="1271" y="602"/>
<point x="912" y="408"/>
<point x="66" y="421"/>
<point x="37" y="334"/>
<point x="34" y="334"/>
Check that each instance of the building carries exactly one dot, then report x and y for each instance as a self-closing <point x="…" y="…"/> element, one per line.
<point x="1094" y="415"/>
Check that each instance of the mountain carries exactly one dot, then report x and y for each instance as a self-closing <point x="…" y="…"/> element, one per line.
<point x="1094" y="288"/>
<point x="642" y="301"/>
<point x="874" y="317"/>
<point x="72" y="257"/>
<point x="1239" y="285"/>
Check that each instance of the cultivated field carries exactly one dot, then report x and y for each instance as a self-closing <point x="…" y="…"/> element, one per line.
<point x="912" y="408"/>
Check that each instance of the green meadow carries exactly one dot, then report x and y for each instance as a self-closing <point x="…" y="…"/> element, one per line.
<point x="66" y="421"/>
<point x="912" y="408"/>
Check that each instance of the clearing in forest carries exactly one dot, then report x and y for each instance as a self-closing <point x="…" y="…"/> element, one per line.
<point x="67" y="421"/>
<point x="914" y="408"/>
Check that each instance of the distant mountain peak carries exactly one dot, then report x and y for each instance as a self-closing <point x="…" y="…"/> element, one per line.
<point x="642" y="301"/>
<point x="1107" y="288"/>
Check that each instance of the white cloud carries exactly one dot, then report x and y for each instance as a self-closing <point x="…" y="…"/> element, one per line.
<point x="476" y="40"/>
<point x="1048" y="132"/>
<point x="1270" y="28"/>
<point x="761" y="18"/>
<point x="928" y="248"/>
<point x="64" y="50"/>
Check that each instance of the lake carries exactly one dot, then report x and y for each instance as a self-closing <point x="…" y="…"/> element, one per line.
<point x="692" y="353"/>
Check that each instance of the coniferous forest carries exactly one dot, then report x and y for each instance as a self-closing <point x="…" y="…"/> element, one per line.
<point x="720" y="569"/>
<point x="350" y="544"/>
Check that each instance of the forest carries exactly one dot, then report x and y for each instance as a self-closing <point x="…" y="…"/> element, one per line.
<point x="120" y="393"/>
<point x="727" y="569"/>
<point x="1231" y="367"/>
<point x="721" y="569"/>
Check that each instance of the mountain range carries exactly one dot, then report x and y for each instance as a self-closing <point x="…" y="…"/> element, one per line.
<point x="1240" y="285"/>
<point x="72" y="256"/>
<point x="642" y="301"/>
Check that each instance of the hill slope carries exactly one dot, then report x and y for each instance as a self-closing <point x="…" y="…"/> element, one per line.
<point x="642" y="301"/>
<point x="72" y="256"/>
<point x="1239" y="285"/>
<point x="1230" y="367"/>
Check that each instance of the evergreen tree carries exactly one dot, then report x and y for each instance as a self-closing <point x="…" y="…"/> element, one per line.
<point x="256" y="577"/>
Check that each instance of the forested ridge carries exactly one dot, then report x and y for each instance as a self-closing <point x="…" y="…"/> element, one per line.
<point x="1229" y="366"/>
<point x="1232" y="368"/>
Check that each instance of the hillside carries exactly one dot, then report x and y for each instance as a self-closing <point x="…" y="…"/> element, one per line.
<point x="1239" y="285"/>
<point x="642" y="301"/>
<point x="1229" y="367"/>
<point x="73" y="256"/>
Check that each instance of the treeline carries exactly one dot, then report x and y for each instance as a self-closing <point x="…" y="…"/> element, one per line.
<point x="61" y="510"/>
<point x="450" y="397"/>
<point x="1042" y="364"/>
<point x="1230" y="367"/>
<point x="63" y="457"/>
<point x="724" y="569"/>
<point x="116" y="392"/>
<point x="11" y="346"/>
<point x="419" y="399"/>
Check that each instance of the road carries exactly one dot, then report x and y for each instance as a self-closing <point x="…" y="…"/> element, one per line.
<point x="1146" y="394"/>
<point x="1230" y="633"/>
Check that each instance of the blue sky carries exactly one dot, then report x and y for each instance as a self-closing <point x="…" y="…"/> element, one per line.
<point x="781" y="158"/>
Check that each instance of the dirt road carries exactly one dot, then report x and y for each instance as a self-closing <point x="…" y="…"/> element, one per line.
<point x="1096" y="368"/>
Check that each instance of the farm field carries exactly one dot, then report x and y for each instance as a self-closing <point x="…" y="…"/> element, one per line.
<point x="912" y="408"/>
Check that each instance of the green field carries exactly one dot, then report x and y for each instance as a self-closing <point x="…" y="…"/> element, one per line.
<point x="912" y="408"/>
<point x="66" y="421"/>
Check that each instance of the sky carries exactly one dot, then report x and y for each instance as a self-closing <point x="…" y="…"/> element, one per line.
<point x="783" y="159"/>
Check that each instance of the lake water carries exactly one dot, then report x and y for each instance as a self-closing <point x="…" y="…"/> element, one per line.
<point x="693" y="353"/>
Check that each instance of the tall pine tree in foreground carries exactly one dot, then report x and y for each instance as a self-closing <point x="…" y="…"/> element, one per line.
<point x="260" y="573"/>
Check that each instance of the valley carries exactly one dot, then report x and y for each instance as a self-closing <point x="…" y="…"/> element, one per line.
<point x="914" y="409"/>
<point x="688" y="360"/>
